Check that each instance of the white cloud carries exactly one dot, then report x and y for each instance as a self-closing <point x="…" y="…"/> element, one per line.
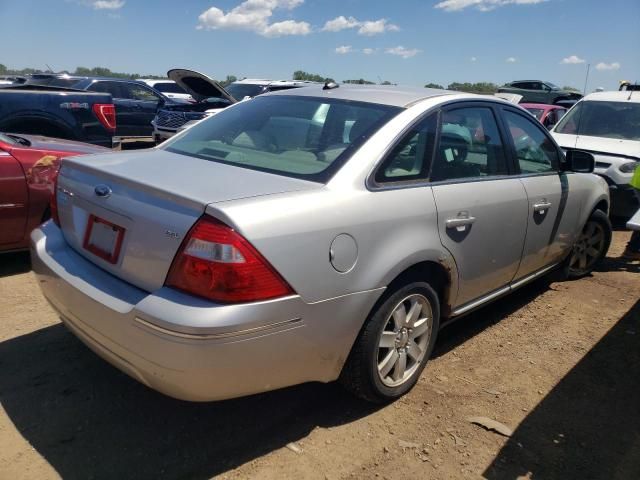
<point x="403" y="52"/>
<point x="482" y="5"/>
<point x="368" y="51"/>
<point x="608" y="66"/>
<point x="511" y="60"/>
<point x="367" y="27"/>
<point x="288" y="27"/>
<point x="473" y="59"/>
<point x="377" y="27"/>
<point x="572" y="60"/>
<point x="340" y="23"/>
<point x="107" y="4"/>
<point x="344" y="49"/>
<point x="254" y="15"/>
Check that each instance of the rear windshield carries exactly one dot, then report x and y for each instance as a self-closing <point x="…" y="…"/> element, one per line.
<point x="301" y="137"/>
<point x="54" y="82"/>
<point x="168" y="87"/>
<point x="619" y="120"/>
<point x="241" y="90"/>
<point x="536" y="112"/>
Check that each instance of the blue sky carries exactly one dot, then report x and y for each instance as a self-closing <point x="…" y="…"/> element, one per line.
<point x="405" y="41"/>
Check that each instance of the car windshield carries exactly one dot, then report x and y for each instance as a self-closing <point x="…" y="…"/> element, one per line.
<point x="553" y="86"/>
<point x="241" y="90"/>
<point x="619" y="120"/>
<point x="168" y="87"/>
<point x="301" y="137"/>
<point x="536" y="112"/>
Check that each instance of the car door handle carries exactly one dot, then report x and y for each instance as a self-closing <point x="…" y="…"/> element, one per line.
<point x="460" y="222"/>
<point x="540" y="207"/>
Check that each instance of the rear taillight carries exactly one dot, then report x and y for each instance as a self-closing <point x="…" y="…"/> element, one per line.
<point x="217" y="263"/>
<point x="53" y="203"/>
<point x="106" y="113"/>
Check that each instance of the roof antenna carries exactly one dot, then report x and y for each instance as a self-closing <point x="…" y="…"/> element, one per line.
<point x="330" y="85"/>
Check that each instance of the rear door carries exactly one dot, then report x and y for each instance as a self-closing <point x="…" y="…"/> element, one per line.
<point x="13" y="200"/>
<point x="553" y="206"/>
<point x="482" y="206"/>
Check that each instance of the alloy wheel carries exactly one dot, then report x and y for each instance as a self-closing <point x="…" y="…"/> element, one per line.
<point x="404" y="340"/>
<point x="588" y="248"/>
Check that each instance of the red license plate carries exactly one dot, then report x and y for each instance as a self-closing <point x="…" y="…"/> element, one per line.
<point x="103" y="239"/>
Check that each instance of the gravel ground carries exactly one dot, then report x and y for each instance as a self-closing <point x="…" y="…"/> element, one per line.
<point x="557" y="363"/>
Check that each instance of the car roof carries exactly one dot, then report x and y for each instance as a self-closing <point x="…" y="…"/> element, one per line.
<point x="265" y="82"/>
<point x="614" y="96"/>
<point x="380" y="94"/>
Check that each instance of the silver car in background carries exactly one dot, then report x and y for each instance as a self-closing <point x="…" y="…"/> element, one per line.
<point x="314" y="234"/>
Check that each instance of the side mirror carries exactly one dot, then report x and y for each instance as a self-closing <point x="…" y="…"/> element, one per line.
<point x="579" y="162"/>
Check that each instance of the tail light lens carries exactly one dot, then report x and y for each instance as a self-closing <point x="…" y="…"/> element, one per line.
<point x="106" y="113"/>
<point x="53" y="203"/>
<point x="217" y="263"/>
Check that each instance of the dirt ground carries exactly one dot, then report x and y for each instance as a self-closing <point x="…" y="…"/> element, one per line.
<point x="559" y="363"/>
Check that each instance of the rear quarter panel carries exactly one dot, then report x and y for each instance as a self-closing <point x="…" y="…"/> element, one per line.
<point x="392" y="229"/>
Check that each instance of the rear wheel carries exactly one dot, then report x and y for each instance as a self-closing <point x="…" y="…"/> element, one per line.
<point x="591" y="246"/>
<point x="394" y="345"/>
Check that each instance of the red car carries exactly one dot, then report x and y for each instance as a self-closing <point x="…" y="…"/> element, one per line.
<point x="548" y="115"/>
<point x="28" y="166"/>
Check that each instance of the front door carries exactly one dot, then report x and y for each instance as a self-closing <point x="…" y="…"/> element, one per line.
<point x="13" y="200"/>
<point x="553" y="206"/>
<point x="482" y="207"/>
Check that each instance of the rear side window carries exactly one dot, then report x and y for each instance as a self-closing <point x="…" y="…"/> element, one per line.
<point x="535" y="151"/>
<point x="107" y="87"/>
<point x="410" y="158"/>
<point x="469" y="146"/>
<point x="301" y="137"/>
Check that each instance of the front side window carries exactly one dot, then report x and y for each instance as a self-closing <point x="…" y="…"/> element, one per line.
<point x="535" y="151"/>
<point x="410" y="158"/>
<point x="302" y="137"/>
<point x="620" y="120"/>
<point x="469" y="146"/>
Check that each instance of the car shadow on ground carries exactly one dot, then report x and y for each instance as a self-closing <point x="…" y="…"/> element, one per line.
<point x="14" y="263"/>
<point x="588" y="426"/>
<point x="88" y="420"/>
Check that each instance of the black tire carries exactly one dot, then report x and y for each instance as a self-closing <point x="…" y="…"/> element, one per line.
<point x="360" y="374"/>
<point x="574" y="269"/>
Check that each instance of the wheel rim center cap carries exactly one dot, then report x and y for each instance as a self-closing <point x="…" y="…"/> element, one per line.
<point x="403" y="338"/>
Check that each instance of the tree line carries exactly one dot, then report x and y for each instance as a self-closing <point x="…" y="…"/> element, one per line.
<point x="477" y="87"/>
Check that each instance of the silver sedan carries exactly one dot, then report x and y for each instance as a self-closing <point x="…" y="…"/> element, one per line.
<point x="316" y="234"/>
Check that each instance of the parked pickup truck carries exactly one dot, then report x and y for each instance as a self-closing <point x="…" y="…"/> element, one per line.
<point x="56" y="112"/>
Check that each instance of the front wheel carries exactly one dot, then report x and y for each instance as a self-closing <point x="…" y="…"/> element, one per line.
<point x="394" y="345"/>
<point x="590" y="247"/>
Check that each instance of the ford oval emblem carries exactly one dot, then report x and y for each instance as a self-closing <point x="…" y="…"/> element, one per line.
<point x="102" y="191"/>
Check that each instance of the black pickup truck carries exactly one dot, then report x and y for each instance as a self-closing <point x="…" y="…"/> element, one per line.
<point x="56" y="112"/>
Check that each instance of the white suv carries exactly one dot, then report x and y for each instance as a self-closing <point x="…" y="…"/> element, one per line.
<point x="607" y="124"/>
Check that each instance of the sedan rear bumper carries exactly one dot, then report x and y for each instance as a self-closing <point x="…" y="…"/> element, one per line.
<point x="189" y="348"/>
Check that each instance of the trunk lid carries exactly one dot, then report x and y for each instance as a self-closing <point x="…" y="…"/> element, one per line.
<point x="155" y="197"/>
<point x="199" y="85"/>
